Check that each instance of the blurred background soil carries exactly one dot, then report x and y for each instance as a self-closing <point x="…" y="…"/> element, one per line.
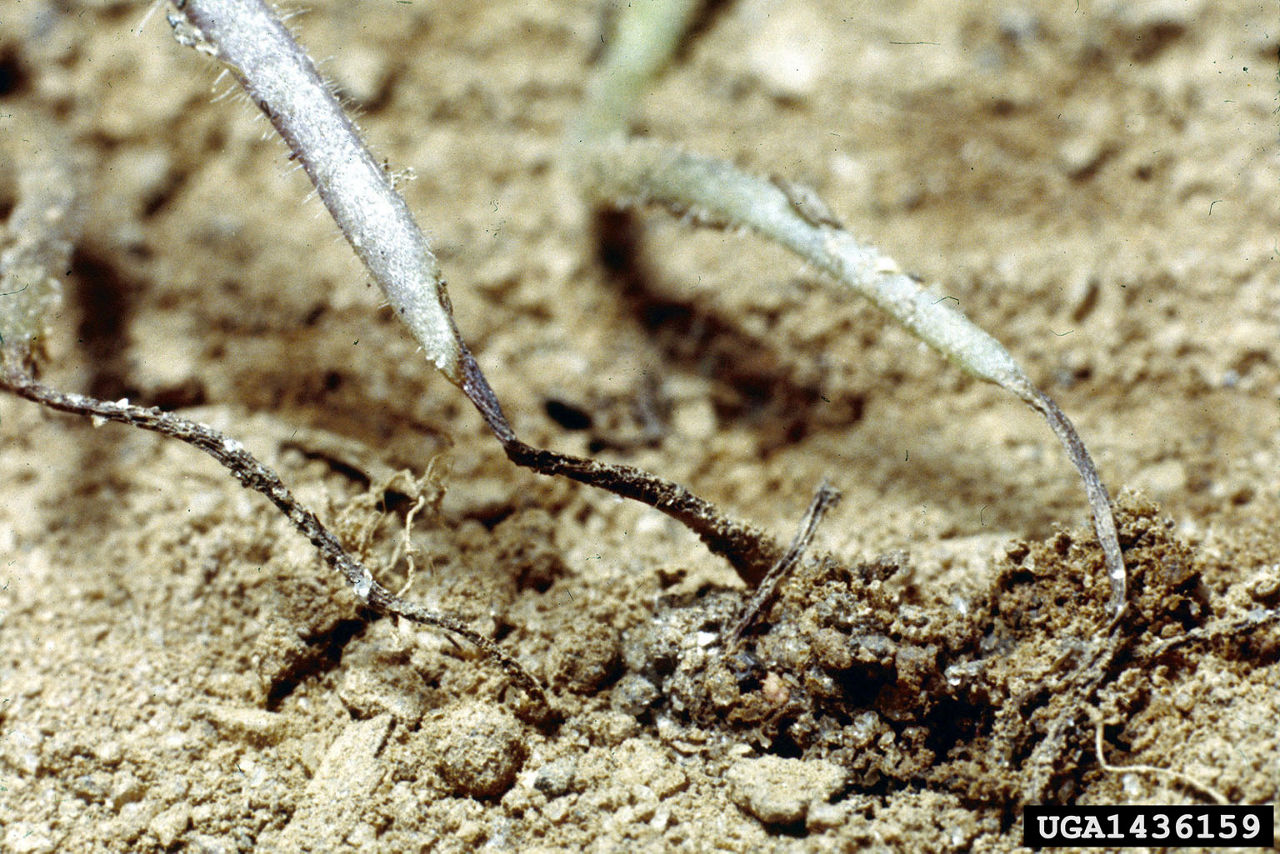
<point x="1093" y="183"/>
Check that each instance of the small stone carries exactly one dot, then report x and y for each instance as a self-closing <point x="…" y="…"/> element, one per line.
<point x="127" y="789"/>
<point x="480" y="749"/>
<point x="637" y="768"/>
<point x="556" y="778"/>
<point x="24" y="837"/>
<point x="556" y="811"/>
<point x="350" y="771"/>
<point x="779" y="791"/>
<point x="170" y="824"/>
<point x="109" y="752"/>
<point x="584" y="661"/>
<point x="1265" y="583"/>
<point x="20" y="748"/>
<point x="633" y="694"/>
<point x="368" y="692"/>
<point x="824" y="816"/>
<point x="92" y="787"/>
<point x="350" y="767"/>
<point x="1184" y="701"/>
<point x="254" y="726"/>
<point x="208" y="843"/>
<point x="608" y="728"/>
<point x="1080" y="157"/>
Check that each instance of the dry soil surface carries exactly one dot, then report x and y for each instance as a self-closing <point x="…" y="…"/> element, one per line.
<point x="1094" y="183"/>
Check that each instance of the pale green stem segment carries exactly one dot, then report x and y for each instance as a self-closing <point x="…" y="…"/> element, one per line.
<point x="646" y="35"/>
<point x="41" y="232"/>
<point x="614" y="169"/>
<point x="281" y="80"/>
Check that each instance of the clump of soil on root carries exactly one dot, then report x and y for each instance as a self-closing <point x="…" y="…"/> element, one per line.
<point x="990" y="699"/>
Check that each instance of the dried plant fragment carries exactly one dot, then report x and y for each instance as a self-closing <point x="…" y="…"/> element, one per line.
<point x="252" y="474"/>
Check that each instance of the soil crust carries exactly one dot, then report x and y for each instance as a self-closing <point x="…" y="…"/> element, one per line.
<point x="1094" y="184"/>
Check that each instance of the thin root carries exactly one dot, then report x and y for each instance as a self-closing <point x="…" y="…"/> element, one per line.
<point x="1185" y="779"/>
<point x="412" y="569"/>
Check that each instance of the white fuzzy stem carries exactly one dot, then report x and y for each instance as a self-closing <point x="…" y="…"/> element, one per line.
<point x="281" y="80"/>
<point x="621" y="171"/>
<point x="641" y="171"/>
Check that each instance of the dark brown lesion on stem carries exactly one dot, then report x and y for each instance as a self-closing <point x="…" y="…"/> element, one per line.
<point x="1104" y="522"/>
<point x="748" y="549"/>
<point x="15" y="376"/>
<point x="825" y="499"/>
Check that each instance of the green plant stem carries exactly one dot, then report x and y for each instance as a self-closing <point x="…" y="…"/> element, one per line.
<point x="42" y="229"/>
<point x="616" y="170"/>
<point x="641" y="171"/>
<point x="645" y="36"/>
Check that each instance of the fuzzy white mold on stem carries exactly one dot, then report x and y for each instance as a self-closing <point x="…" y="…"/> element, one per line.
<point x="283" y="82"/>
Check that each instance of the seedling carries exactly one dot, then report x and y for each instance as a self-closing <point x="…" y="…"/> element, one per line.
<point x="613" y="170"/>
<point x="616" y="169"/>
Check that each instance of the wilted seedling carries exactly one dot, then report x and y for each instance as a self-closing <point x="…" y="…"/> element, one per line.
<point x="613" y="170"/>
<point x="617" y="170"/>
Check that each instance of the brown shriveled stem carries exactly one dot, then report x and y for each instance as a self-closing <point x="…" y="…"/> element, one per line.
<point x="1104" y="524"/>
<point x="281" y="79"/>
<point x="825" y="499"/>
<point x="748" y="549"/>
<point x="251" y="473"/>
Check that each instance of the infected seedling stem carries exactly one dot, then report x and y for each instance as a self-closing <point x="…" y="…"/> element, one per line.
<point x="253" y="474"/>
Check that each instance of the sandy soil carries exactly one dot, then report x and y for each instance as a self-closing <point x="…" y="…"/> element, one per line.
<point x="1094" y="183"/>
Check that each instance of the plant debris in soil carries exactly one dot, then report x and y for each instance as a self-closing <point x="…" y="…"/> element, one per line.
<point x="957" y="697"/>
